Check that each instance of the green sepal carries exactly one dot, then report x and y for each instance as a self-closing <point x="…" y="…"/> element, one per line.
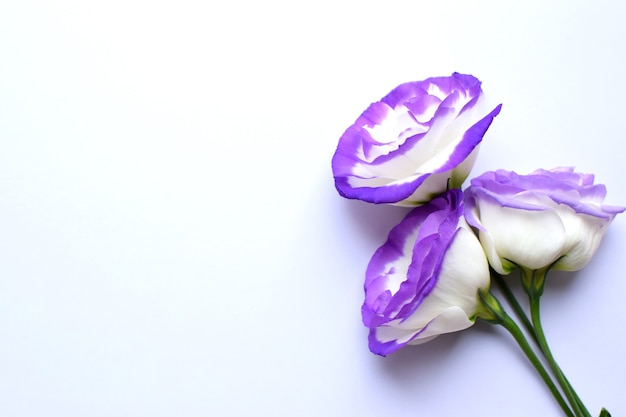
<point x="488" y="308"/>
<point x="604" y="413"/>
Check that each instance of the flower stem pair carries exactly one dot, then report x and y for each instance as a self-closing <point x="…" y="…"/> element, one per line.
<point x="533" y="282"/>
<point x="495" y="314"/>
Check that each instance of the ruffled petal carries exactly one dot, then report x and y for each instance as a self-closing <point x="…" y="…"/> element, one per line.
<point x="419" y="130"/>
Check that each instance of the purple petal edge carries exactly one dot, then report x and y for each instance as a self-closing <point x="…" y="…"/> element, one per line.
<point x="471" y="138"/>
<point x="437" y="222"/>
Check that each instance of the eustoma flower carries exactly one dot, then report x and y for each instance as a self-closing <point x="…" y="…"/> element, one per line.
<point x="549" y="218"/>
<point x="424" y="280"/>
<point x="415" y="147"/>
<point x="419" y="140"/>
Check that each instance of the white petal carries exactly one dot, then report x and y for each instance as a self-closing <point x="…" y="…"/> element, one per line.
<point x="533" y="239"/>
<point x="450" y="320"/>
<point x="583" y="236"/>
<point x="463" y="273"/>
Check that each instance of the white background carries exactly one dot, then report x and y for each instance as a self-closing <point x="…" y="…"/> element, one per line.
<point x="171" y="242"/>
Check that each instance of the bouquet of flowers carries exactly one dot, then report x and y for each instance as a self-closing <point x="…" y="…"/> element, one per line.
<point x="434" y="274"/>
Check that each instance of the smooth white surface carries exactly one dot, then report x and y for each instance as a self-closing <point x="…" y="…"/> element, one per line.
<point x="171" y="243"/>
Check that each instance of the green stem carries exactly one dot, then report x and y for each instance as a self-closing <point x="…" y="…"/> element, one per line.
<point x="512" y="300"/>
<point x="523" y="317"/>
<point x="534" y="282"/>
<point x="570" y="393"/>
<point x="493" y="313"/>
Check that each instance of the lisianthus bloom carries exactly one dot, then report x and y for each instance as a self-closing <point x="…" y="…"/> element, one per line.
<point x="549" y="218"/>
<point x="424" y="280"/>
<point x="418" y="141"/>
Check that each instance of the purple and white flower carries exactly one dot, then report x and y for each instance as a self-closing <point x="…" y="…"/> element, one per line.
<point x="547" y="218"/>
<point x="419" y="140"/>
<point x="424" y="280"/>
